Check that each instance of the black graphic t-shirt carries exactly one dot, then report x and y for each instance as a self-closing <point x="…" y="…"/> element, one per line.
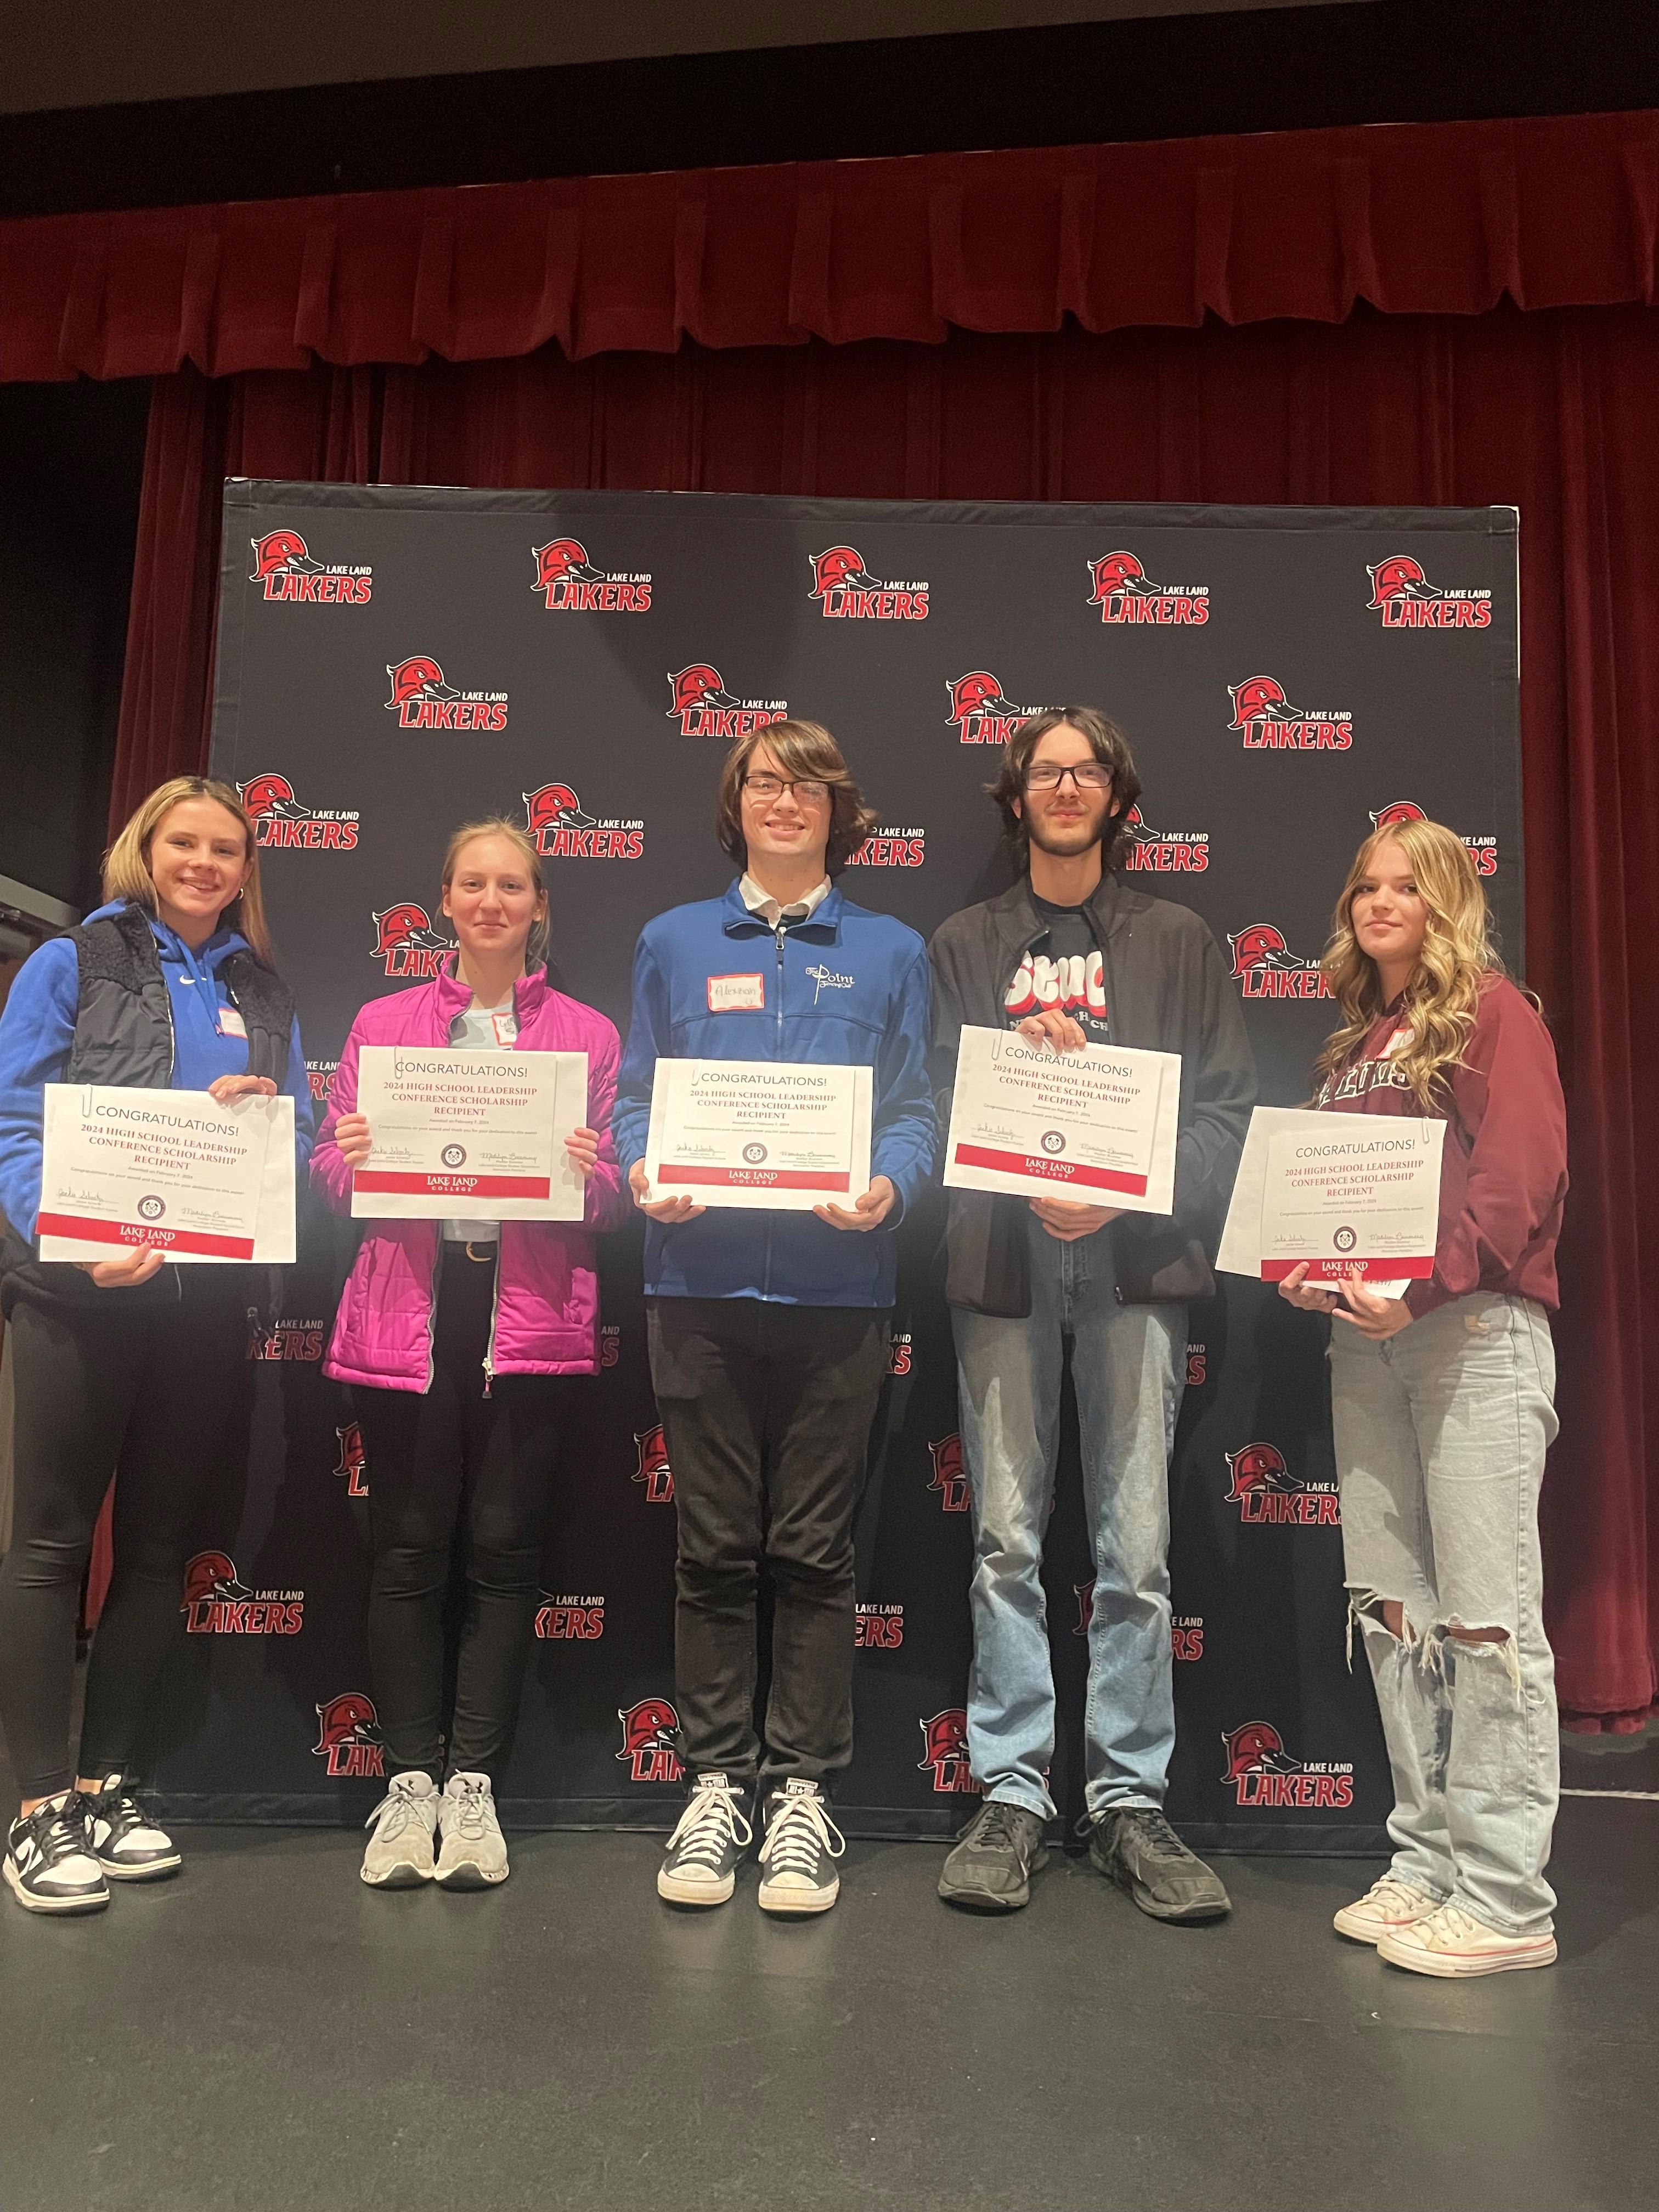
<point x="1063" y="970"/>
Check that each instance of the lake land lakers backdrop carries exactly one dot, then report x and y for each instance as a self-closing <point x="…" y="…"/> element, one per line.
<point x="392" y="661"/>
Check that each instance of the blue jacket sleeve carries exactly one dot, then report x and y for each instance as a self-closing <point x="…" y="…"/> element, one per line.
<point x="37" y="1030"/>
<point x="903" y="1132"/>
<point x="647" y="1041"/>
<point x="298" y="1088"/>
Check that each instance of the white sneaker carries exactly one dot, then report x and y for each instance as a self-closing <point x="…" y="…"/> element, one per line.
<point x="1452" y="1943"/>
<point x="399" y="1853"/>
<point x="1386" y="1905"/>
<point x="474" y="1851"/>
<point x="700" y="1866"/>
<point x="799" y="1853"/>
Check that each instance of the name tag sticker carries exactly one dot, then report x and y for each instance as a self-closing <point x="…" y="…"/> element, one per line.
<point x="231" y="1023"/>
<point x="731" y="994"/>
<point x="505" y="1027"/>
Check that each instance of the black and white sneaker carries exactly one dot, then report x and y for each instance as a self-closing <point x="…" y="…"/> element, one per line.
<point x="127" y="1845"/>
<point x="49" y="1864"/>
<point x="710" y="1837"/>
<point x="799" y="1853"/>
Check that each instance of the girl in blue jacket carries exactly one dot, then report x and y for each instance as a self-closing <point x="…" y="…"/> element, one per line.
<point x="123" y="1367"/>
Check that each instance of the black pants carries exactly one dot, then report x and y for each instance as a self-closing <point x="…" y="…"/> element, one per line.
<point x="457" y="1481"/>
<point x="157" y="1393"/>
<point x="766" y="1412"/>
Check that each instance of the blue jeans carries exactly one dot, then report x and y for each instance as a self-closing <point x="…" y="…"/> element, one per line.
<point x="1128" y="1367"/>
<point x="1441" y="1433"/>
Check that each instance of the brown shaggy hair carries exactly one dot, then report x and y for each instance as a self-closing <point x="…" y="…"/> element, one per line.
<point x="800" y="749"/>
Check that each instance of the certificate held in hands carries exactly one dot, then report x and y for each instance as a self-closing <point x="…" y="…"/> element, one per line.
<point x="1343" y="1194"/>
<point x="784" y="1134"/>
<point x="125" y="1169"/>
<point x="1097" y="1125"/>
<point x="458" y="1135"/>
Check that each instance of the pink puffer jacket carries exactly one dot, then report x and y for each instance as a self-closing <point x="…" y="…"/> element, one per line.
<point x="547" y="1311"/>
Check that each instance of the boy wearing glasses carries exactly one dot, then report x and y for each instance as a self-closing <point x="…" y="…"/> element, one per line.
<point x="1071" y="957"/>
<point x="769" y="1331"/>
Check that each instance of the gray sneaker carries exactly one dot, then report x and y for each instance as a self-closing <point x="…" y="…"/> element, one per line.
<point x="399" y="1853"/>
<point x="1135" y="1847"/>
<point x="996" y="1855"/>
<point x="473" y="1854"/>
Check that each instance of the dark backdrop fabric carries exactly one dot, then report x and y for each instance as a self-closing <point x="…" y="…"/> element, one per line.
<point x="1548" y="411"/>
<point x="391" y="660"/>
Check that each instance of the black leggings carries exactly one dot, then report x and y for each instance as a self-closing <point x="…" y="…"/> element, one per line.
<point x="442" y="1464"/>
<point x="157" y="1393"/>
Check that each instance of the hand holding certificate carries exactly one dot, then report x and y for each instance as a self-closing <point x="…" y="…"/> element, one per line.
<point x="1342" y="1194"/>
<point x="458" y="1135"/>
<point x="172" y="1171"/>
<point x="780" y="1134"/>
<point x="1095" y="1126"/>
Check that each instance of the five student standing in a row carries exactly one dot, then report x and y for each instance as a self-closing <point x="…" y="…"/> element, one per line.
<point x="768" y="1336"/>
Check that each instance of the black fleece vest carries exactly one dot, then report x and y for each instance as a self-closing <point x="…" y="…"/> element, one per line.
<point x="124" y="1025"/>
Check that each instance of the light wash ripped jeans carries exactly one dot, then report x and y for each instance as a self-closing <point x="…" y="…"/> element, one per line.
<point x="1441" y="1433"/>
<point x="1128" y="1368"/>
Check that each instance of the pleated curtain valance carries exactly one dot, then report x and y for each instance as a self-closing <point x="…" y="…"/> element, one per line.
<point x="1416" y="219"/>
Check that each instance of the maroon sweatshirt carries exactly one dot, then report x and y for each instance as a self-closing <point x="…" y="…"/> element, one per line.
<point x="1503" y="1173"/>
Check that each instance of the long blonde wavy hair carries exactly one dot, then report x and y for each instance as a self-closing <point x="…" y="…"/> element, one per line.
<point x="1458" y="961"/>
<point x="126" y="864"/>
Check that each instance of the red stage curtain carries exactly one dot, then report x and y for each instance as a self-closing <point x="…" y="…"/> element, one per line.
<point x="1415" y="219"/>
<point x="1549" y="411"/>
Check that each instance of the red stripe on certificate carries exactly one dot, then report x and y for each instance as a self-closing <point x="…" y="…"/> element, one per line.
<point x="757" y="1178"/>
<point x="1341" y="1271"/>
<point x="1038" y="1164"/>
<point x="159" y="1240"/>
<point x="411" y="1184"/>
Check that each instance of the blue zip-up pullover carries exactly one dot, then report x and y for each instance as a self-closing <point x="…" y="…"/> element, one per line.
<point x="37" y="1030"/>
<point x="844" y="987"/>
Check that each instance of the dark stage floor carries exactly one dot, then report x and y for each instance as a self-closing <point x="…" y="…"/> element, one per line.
<point x="266" y="2032"/>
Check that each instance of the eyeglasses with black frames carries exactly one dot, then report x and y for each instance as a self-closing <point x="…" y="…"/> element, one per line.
<point x="1086" y="775"/>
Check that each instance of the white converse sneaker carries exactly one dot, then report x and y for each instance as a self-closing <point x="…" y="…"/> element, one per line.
<point x="1386" y="1904"/>
<point x="129" y="1847"/>
<point x="709" y="1837"/>
<point x="474" y="1851"/>
<point x="802" y="1845"/>
<point x="399" y="1853"/>
<point x="1452" y="1943"/>
<point x="48" y="1863"/>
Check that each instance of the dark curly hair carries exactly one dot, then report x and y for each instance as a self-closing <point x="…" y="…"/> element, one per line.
<point x="1110" y="747"/>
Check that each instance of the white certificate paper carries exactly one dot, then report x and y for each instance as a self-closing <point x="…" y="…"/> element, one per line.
<point x="171" y="1170"/>
<point x="1097" y="1125"/>
<point x="459" y="1136"/>
<point x="782" y="1135"/>
<point x="1346" y="1193"/>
